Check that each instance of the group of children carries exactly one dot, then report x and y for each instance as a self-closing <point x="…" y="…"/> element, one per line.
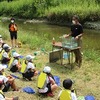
<point x="46" y="83"/>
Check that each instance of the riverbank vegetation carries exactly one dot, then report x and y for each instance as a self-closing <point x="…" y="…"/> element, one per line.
<point x="54" y="10"/>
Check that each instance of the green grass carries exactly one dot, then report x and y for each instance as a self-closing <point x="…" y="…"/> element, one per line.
<point x="33" y="41"/>
<point x="52" y="9"/>
<point x="86" y="78"/>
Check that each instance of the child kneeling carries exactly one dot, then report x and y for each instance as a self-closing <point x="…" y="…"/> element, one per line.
<point x="30" y="68"/>
<point x="46" y="83"/>
<point x="16" y="66"/>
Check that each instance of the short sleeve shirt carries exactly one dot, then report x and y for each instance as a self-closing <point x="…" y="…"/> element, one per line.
<point x="3" y="78"/>
<point x="15" y="62"/>
<point x="1" y="97"/>
<point x="30" y="65"/>
<point x="5" y="55"/>
<point x="76" y="30"/>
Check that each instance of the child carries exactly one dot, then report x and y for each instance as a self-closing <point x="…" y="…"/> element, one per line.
<point x="30" y="68"/>
<point x="13" y="32"/>
<point x="46" y="83"/>
<point x="5" y="56"/>
<point x="16" y="66"/>
<point x="2" y="97"/>
<point x="9" y="81"/>
<point x="67" y="93"/>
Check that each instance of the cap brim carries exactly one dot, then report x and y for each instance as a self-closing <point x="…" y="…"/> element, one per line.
<point x="33" y="57"/>
<point x="9" y="47"/>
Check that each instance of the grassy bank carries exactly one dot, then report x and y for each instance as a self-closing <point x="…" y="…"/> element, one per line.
<point x="54" y="10"/>
<point x="86" y="78"/>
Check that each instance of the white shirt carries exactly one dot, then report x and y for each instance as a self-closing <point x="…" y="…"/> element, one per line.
<point x="3" y="78"/>
<point x="1" y="97"/>
<point x="30" y="65"/>
<point x="15" y="62"/>
<point x="73" y="95"/>
<point x="5" y="55"/>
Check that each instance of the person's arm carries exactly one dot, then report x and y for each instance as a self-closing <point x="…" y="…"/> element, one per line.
<point x="6" y="98"/>
<point x="13" y="98"/>
<point x="9" y="27"/>
<point x="15" y="26"/>
<point x="59" y="95"/>
<point x="52" y="81"/>
<point x="73" y="95"/>
<point x="68" y="35"/>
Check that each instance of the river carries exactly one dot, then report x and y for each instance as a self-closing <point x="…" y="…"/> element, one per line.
<point x="91" y="38"/>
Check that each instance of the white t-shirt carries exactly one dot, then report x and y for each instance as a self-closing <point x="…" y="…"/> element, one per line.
<point x="1" y="97"/>
<point x="45" y="89"/>
<point x="5" y="55"/>
<point x="15" y="62"/>
<point x="73" y="95"/>
<point x="3" y="78"/>
<point x="30" y="65"/>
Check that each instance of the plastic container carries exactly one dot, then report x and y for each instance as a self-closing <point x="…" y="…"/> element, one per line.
<point x="69" y="42"/>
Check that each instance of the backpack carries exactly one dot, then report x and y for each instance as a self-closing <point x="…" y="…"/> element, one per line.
<point x="42" y="80"/>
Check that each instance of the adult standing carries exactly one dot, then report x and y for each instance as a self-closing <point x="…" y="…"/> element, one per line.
<point x="77" y="33"/>
<point x="13" y="32"/>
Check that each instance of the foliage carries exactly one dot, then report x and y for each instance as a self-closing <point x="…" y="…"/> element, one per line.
<point x="52" y="9"/>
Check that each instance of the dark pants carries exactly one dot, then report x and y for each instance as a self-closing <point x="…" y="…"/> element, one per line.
<point x="28" y="74"/>
<point x="78" y="54"/>
<point x="13" y="35"/>
<point x="6" y="88"/>
<point x="14" y="69"/>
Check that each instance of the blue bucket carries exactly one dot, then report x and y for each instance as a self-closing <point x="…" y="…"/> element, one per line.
<point x="65" y="56"/>
<point x="89" y="97"/>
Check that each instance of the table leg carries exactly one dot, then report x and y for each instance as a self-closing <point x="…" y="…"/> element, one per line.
<point x="72" y="57"/>
<point x="68" y="57"/>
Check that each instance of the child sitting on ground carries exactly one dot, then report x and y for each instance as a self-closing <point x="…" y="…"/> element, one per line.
<point x="9" y="81"/>
<point x="30" y="68"/>
<point x="15" y="66"/>
<point x="46" y="83"/>
<point x="2" y="97"/>
<point x="5" y="56"/>
<point x="67" y="93"/>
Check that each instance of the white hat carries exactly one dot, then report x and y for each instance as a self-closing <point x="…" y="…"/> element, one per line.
<point x="1" y="67"/>
<point x="29" y="57"/>
<point x="15" y="54"/>
<point x="6" y="46"/>
<point x="47" y="69"/>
